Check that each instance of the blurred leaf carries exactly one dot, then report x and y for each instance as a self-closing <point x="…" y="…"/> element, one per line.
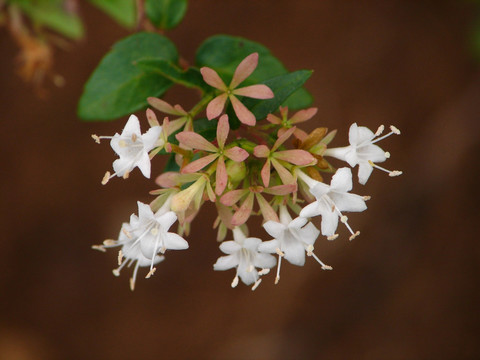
<point x="282" y="86"/>
<point x="171" y="164"/>
<point x="54" y="15"/>
<point x="122" y="11"/>
<point x="223" y="53"/>
<point x="118" y="87"/>
<point x="165" y="14"/>
<point x="189" y="78"/>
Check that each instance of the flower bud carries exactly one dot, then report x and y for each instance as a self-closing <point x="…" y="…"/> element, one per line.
<point x="236" y="171"/>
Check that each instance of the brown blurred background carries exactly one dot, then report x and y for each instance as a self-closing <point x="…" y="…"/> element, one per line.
<point x="407" y="288"/>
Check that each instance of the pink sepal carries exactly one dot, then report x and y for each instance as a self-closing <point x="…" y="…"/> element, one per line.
<point x="244" y="70"/>
<point x="232" y="197"/>
<point x="211" y="77"/>
<point x="261" y="151"/>
<point x="195" y="141"/>
<point x="266" y="209"/>
<point x="296" y="157"/>
<point x="243" y="114"/>
<point x="236" y="153"/>
<point x="223" y="129"/>
<point x="259" y="91"/>
<point x="199" y="164"/>
<point x="215" y="107"/>
<point x="244" y="212"/>
<point x="221" y="177"/>
<point x="303" y="115"/>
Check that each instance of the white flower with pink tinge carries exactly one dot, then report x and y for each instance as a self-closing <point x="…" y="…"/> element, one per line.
<point x="332" y="200"/>
<point x="363" y="152"/>
<point x="132" y="147"/>
<point x="243" y="71"/>
<point x="291" y="239"/>
<point x="242" y="254"/>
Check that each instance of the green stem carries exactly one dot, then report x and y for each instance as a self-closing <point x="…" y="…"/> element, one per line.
<point x="202" y="104"/>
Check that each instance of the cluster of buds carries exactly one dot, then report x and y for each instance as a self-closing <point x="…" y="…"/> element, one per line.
<point x="274" y="170"/>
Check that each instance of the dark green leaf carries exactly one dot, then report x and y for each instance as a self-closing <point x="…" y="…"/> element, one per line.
<point x="282" y="86"/>
<point x="206" y="128"/>
<point x="118" y="87"/>
<point x="223" y="53"/>
<point x="165" y="14"/>
<point x="52" y="14"/>
<point x="189" y="78"/>
<point x="122" y="11"/>
<point x="171" y="164"/>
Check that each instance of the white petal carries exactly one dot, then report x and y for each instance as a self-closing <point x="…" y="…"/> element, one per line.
<point x="145" y="212"/>
<point x="150" y="137"/>
<point x="175" y="242"/>
<point x="319" y="190"/>
<point x="285" y="217"/>
<point x="144" y="165"/>
<point x="225" y="263"/>
<point x="121" y="166"/>
<point x="297" y="223"/>
<point x="342" y="180"/>
<point x="329" y="223"/>
<point x="364" y="172"/>
<point x="294" y="252"/>
<point x="311" y="210"/>
<point x="274" y="229"/>
<point x="167" y="220"/>
<point x="115" y="143"/>
<point x="371" y="152"/>
<point x="364" y="135"/>
<point x="143" y="261"/>
<point x="309" y="234"/>
<point x="230" y="247"/>
<point x="269" y="246"/>
<point x="265" y="261"/>
<point x="248" y="277"/>
<point x="131" y="127"/>
<point x="238" y="235"/>
<point x="348" y="202"/>
<point x="252" y="243"/>
<point x="353" y="134"/>
<point x="351" y="157"/>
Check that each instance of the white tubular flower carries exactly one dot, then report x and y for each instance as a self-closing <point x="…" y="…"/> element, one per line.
<point x="129" y="253"/>
<point x="292" y="238"/>
<point x="363" y="152"/>
<point x="332" y="200"/>
<point x="242" y="254"/>
<point x="144" y="238"/>
<point x="132" y="147"/>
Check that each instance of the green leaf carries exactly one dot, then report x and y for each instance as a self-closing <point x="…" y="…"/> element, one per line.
<point x="206" y="128"/>
<point x="190" y="78"/>
<point x="282" y="86"/>
<point x="171" y="164"/>
<point x="223" y="53"/>
<point x="118" y="87"/>
<point x="52" y="14"/>
<point x="165" y="14"/>
<point x="122" y="11"/>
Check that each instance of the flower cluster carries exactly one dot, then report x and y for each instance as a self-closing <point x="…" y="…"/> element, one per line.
<point x="273" y="170"/>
